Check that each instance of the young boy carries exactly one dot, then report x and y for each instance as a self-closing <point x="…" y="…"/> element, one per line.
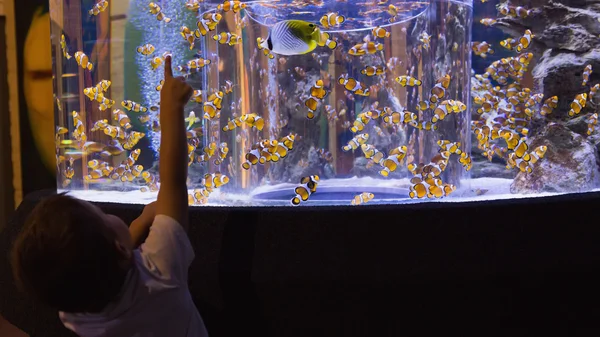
<point x="105" y="279"/>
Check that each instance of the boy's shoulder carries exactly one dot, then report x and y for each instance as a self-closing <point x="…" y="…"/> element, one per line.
<point x="167" y="250"/>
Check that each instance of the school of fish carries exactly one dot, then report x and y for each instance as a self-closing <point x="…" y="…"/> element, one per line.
<point x="504" y="110"/>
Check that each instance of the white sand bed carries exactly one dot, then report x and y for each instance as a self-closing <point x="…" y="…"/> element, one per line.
<point x="497" y="189"/>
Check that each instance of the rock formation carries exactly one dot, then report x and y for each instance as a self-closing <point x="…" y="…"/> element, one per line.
<point x="566" y="40"/>
<point x="569" y="165"/>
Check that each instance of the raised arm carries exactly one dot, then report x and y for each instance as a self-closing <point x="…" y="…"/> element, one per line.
<point x="173" y="163"/>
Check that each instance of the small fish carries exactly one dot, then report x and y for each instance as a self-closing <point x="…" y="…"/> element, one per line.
<point x="372" y="153"/>
<point x="189" y="36"/>
<point x="426" y="40"/>
<point x="452" y="147"/>
<point x="586" y="75"/>
<point x="356" y="142"/>
<point x="146" y="49"/>
<point x="122" y="118"/>
<point x="362" y="198"/>
<point x="405" y="117"/>
<point x="193" y="5"/>
<point x="193" y="65"/>
<point x="592" y="120"/>
<point x="379" y="32"/>
<point x="234" y="6"/>
<point x="157" y="61"/>
<point x="525" y="41"/>
<point x="133" y="106"/>
<point x="393" y="11"/>
<point x="98" y="8"/>
<point x="515" y="12"/>
<point x="373" y="71"/>
<point x="227" y="38"/>
<point x="509" y="43"/>
<point x="353" y="85"/>
<point x="222" y="153"/>
<point x="447" y="107"/>
<point x="488" y="22"/>
<point x="317" y="90"/>
<point x="291" y="37"/>
<point x="520" y="163"/>
<point x="227" y="88"/>
<point x="406" y="80"/>
<point x="232" y="124"/>
<point x="332" y="20"/>
<point x="535" y="155"/>
<point x="63" y="46"/>
<point x="208" y="23"/>
<point x="253" y="120"/>
<point x="393" y="161"/>
<point x="466" y="161"/>
<point x="61" y="130"/>
<point x="550" y="104"/>
<point x="306" y="189"/>
<point x="365" y="48"/>
<point x="578" y="104"/>
<point x="439" y="89"/>
<point x="521" y="148"/>
<point x="593" y="91"/>
<point x="212" y="107"/>
<point x="160" y="85"/>
<point x="482" y="49"/>
<point x="83" y="61"/>
<point x="424" y="125"/>
<point x="156" y="10"/>
<point x="197" y="96"/>
<point x="533" y="100"/>
<point x="215" y="180"/>
<point x="325" y="41"/>
<point x="312" y="104"/>
<point x="191" y="119"/>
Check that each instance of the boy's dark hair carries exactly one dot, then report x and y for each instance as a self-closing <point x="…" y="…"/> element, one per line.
<point x="65" y="256"/>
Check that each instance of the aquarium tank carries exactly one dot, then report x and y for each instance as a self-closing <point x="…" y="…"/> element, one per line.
<point x="330" y="102"/>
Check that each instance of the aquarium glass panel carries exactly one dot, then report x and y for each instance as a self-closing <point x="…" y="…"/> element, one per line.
<point x="327" y="102"/>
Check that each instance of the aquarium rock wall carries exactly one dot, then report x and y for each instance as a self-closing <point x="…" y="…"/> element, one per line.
<point x="566" y="41"/>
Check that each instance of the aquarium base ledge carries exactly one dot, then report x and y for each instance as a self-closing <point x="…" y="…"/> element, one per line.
<point x="492" y="266"/>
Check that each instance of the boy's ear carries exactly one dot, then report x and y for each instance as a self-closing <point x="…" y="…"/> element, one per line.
<point x="124" y="251"/>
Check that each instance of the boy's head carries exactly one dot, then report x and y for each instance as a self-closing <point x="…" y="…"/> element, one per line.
<point x="72" y="256"/>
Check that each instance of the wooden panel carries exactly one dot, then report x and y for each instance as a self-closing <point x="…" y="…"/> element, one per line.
<point x="7" y="191"/>
<point x="13" y="99"/>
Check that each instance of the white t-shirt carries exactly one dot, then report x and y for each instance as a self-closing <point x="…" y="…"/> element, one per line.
<point x="155" y="300"/>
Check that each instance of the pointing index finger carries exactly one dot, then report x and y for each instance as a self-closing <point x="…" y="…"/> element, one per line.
<point x="168" y="68"/>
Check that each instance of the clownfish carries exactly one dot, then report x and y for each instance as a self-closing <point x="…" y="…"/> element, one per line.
<point x="146" y="49"/>
<point x="372" y="71"/>
<point x="578" y="104"/>
<point x="586" y="74"/>
<point x="63" y="46"/>
<point x="234" y="6"/>
<point x="305" y="190"/>
<point x="362" y="198"/>
<point x="98" y="8"/>
<point x="406" y="80"/>
<point x="156" y="10"/>
<point x="356" y="142"/>
<point x="379" y="32"/>
<point x="332" y="20"/>
<point x="83" y="61"/>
